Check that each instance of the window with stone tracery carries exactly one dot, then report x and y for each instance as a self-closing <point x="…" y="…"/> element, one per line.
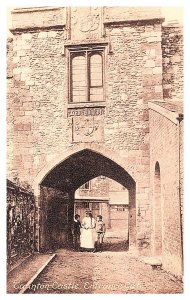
<point x="86" y="76"/>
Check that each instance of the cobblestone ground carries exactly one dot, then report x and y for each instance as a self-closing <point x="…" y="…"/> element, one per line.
<point x="111" y="271"/>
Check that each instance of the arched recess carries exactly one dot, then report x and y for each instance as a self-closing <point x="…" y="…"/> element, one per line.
<point x="57" y="188"/>
<point x="157" y="212"/>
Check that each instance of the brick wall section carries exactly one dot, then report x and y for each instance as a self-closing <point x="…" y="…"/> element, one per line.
<point x="10" y="111"/>
<point x="182" y="171"/>
<point x="98" y="188"/>
<point x="106" y="214"/>
<point x="163" y="142"/>
<point x="172" y="47"/>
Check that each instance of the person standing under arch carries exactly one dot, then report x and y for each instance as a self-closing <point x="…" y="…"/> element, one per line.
<point x="76" y="232"/>
<point x="88" y="232"/>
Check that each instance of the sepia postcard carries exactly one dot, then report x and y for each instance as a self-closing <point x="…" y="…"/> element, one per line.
<point x="95" y="150"/>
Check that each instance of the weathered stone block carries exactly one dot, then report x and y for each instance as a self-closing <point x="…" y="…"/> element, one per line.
<point x="17" y="71"/>
<point x="150" y="63"/>
<point x="42" y="35"/>
<point x="157" y="70"/>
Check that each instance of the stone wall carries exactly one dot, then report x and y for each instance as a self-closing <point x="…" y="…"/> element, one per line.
<point x="134" y="77"/>
<point x="173" y="63"/>
<point x="36" y="17"/>
<point x="44" y="125"/>
<point x="164" y="141"/>
<point x="131" y="13"/>
<point x="39" y="103"/>
<point x="37" y="91"/>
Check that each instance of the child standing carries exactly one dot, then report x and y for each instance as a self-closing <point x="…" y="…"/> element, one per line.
<point x="100" y="230"/>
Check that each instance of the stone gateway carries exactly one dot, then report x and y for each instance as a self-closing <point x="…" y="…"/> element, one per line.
<point x="98" y="91"/>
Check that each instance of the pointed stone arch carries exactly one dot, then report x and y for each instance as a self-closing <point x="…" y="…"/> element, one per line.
<point x="58" y="158"/>
<point x="68" y="171"/>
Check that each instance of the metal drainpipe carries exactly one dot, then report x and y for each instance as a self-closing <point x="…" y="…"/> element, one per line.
<point x="180" y="118"/>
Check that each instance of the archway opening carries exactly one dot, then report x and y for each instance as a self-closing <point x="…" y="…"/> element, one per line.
<point x="57" y="190"/>
<point x="157" y="212"/>
<point x="109" y="199"/>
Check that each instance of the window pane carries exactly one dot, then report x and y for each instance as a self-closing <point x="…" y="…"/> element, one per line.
<point x="96" y="70"/>
<point x="79" y="80"/>
<point x="85" y="186"/>
<point x="96" y="94"/>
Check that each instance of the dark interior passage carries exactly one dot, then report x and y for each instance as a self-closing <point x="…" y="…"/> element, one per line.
<point x="57" y="195"/>
<point x="83" y="166"/>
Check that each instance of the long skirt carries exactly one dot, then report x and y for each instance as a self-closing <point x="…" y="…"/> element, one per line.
<point x="87" y="238"/>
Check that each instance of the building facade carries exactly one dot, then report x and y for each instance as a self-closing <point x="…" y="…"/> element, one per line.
<point x="80" y="83"/>
<point x="106" y="197"/>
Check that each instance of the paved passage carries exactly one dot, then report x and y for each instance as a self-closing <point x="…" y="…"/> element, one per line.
<point x="106" y="272"/>
<point x="19" y="276"/>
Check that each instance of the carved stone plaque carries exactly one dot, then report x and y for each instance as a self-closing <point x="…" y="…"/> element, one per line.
<point x="86" y="111"/>
<point x="88" y="129"/>
<point x="86" y="23"/>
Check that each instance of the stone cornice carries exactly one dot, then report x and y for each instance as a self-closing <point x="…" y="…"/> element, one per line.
<point x="139" y="22"/>
<point x="34" y="9"/>
<point x="37" y="29"/>
<point x="173" y="116"/>
<point x="88" y="44"/>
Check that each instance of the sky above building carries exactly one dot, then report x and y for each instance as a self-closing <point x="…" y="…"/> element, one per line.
<point x="173" y="13"/>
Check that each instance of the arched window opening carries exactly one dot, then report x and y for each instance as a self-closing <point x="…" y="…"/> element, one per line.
<point x="157" y="212"/>
<point x="96" y="78"/>
<point x="86" y="76"/>
<point x="79" y="80"/>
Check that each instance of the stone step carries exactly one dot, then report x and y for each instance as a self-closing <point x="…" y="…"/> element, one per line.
<point x="154" y="262"/>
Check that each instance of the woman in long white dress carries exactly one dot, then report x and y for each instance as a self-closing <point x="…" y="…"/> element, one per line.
<point x="88" y="233"/>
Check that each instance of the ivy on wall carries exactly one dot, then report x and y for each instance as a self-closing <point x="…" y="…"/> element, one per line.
<point x="20" y="222"/>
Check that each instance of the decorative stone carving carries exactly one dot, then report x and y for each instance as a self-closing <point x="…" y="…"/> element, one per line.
<point x="88" y="129"/>
<point x="86" y="22"/>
